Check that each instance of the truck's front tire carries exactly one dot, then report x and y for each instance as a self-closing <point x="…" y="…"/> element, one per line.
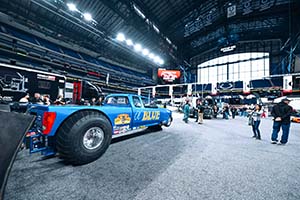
<point x="84" y="137"/>
<point x="169" y="122"/>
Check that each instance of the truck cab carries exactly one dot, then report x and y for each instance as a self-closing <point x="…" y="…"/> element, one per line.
<point x="129" y="112"/>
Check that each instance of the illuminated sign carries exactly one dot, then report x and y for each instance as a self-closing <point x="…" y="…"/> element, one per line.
<point x="227" y="49"/>
<point x="94" y="73"/>
<point x="287" y="83"/>
<point x="225" y="86"/>
<point x="46" y="77"/>
<point x="168" y="75"/>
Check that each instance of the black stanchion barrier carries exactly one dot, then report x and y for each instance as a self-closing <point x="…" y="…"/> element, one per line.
<point x="13" y="127"/>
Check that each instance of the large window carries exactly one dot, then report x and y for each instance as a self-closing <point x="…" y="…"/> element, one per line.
<point x="235" y="67"/>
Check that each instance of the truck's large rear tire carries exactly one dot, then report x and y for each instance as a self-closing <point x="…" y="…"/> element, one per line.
<point x="84" y="137"/>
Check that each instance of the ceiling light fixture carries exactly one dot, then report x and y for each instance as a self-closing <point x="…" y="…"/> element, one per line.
<point x="121" y="37"/>
<point x="145" y="52"/>
<point x="129" y="42"/>
<point x="156" y="59"/>
<point x="138" y="47"/>
<point x="72" y="7"/>
<point x="151" y="55"/>
<point x="87" y="16"/>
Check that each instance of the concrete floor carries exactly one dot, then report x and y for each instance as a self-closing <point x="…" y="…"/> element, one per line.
<point x="217" y="160"/>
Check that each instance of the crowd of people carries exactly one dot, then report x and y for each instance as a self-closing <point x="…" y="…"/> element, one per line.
<point x="42" y="99"/>
<point x="199" y="109"/>
<point x="281" y="113"/>
<point x="92" y="102"/>
<point x="244" y="111"/>
<point x="37" y="98"/>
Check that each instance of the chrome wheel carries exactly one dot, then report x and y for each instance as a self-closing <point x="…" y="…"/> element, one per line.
<point x="93" y="138"/>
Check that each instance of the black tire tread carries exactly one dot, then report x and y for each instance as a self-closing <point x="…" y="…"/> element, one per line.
<point x="63" y="139"/>
<point x="155" y="128"/>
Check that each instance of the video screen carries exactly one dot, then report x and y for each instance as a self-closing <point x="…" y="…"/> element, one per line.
<point x="168" y="76"/>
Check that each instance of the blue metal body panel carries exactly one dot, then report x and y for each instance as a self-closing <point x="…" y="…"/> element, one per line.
<point x="123" y="118"/>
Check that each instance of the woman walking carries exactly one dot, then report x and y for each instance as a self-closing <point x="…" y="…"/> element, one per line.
<point x="256" y="116"/>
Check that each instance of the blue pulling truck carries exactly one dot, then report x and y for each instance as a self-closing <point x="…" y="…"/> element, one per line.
<point x="81" y="134"/>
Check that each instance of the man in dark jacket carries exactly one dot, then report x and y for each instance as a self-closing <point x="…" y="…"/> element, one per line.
<point x="200" y="109"/>
<point x="233" y="111"/>
<point x="225" y="112"/>
<point x="198" y="102"/>
<point x="37" y="99"/>
<point x="282" y="118"/>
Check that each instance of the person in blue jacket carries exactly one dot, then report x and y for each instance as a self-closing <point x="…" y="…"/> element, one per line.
<point x="186" y="111"/>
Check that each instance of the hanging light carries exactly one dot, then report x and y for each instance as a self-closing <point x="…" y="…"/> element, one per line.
<point x="156" y="59"/>
<point x="129" y="42"/>
<point x="72" y="7"/>
<point x="145" y="52"/>
<point x="87" y="16"/>
<point x="121" y="37"/>
<point x="151" y="55"/>
<point x="161" y="62"/>
<point x="138" y="47"/>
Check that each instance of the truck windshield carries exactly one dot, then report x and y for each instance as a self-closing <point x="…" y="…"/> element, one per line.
<point x="148" y="101"/>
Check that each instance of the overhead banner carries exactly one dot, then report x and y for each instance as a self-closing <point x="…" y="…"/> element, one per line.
<point x="231" y="11"/>
<point x="171" y="90"/>
<point x="214" y="88"/>
<point x="153" y="92"/>
<point x="247" y="7"/>
<point x="266" y="4"/>
<point x="107" y="78"/>
<point x="189" y="89"/>
<point x="246" y="87"/>
<point x="69" y="88"/>
<point x="168" y="76"/>
<point x="225" y="86"/>
<point x="287" y="83"/>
